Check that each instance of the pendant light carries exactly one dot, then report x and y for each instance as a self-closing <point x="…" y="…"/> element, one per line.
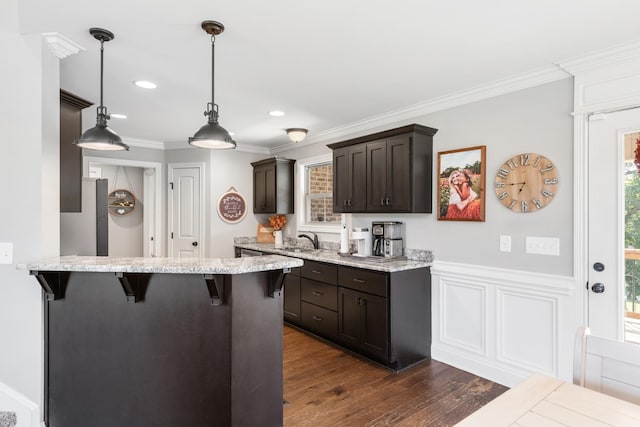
<point x="212" y="135"/>
<point x="101" y="137"/>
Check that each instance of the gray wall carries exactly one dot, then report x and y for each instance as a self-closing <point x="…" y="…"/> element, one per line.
<point x="534" y="120"/>
<point x="126" y="232"/>
<point x="223" y="169"/>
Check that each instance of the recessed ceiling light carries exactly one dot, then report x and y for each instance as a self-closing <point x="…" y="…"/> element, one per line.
<point x="145" y="84"/>
<point x="276" y="113"/>
<point x="118" y="116"/>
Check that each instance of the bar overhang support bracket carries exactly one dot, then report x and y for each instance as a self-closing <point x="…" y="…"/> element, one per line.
<point x="132" y="286"/>
<point x="215" y="285"/>
<point x="276" y="280"/>
<point x="53" y="283"/>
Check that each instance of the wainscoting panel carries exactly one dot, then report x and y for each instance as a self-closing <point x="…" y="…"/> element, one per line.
<point x="502" y="324"/>
<point x="526" y="331"/>
<point x="27" y="413"/>
<point x="463" y="317"/>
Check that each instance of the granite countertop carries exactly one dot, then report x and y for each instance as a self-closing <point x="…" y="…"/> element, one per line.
<point x="163" y="265"/>
<point x="332" y="256"/>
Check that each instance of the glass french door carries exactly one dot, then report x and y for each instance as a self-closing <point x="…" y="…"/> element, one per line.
<point x="614" y="225"/>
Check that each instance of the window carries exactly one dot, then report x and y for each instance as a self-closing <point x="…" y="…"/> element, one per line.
<point x="315" y="206"/>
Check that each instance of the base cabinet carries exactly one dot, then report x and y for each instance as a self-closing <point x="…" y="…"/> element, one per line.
<point x="363" y="323"/>
<point x="385" y="317"/>
<point x="291" y="302"/>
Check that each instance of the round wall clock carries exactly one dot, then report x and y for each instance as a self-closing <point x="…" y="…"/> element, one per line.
<point x="526" y="182"/>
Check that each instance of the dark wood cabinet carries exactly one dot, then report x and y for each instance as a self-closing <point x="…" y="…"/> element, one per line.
<point x="363" y="323"/>
<point x="349" y="179"/>
<point x="318" y="299"/>
<point x="398" y="171"/>
<point x="385" y="316"/>
<point x="71" y="108"/>
<point x="291" y="289"/>
<point x="273" y="186"/>
<point x="389" y="186"/>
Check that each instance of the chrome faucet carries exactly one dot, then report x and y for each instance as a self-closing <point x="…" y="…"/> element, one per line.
<point x="314" y="241"/>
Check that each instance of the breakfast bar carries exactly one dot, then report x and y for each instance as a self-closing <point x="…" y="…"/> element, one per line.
<point x="162" y="341"/>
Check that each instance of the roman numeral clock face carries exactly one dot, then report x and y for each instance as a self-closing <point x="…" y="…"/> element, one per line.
<point x="526" y="182"/>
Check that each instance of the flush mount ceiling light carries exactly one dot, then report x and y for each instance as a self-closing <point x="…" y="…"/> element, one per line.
<point x="101" y="137"/>
<point x="297" y="134"/>
<point x="212" y="135"/>
<point x="276" y="113"/>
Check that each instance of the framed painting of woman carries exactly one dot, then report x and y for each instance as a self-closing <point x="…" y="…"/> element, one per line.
<point x="461" y="184"/>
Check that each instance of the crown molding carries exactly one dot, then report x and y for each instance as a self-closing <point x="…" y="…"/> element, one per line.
<point x="60" y="45"/>
<point x="143" y="143"/>
<point x="405" y="115"/>
<point x="178" y="145"/>
<point x="602" y="58"/>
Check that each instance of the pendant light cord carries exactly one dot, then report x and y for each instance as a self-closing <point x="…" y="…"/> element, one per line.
<point x="213" y="68"/>
<point x="101" y="69"/>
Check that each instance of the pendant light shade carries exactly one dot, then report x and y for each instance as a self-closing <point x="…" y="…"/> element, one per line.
<point x="212" y="135"/>
<point x="101" y="137"/>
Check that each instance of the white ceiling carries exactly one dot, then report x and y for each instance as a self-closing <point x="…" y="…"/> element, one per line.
<point x="327" y="64"/>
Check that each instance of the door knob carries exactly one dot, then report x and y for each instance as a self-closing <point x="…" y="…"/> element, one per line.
<point x="598" y="288"/>
<point x="194" y="244"/>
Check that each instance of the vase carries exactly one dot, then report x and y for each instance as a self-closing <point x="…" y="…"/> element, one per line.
<point x="278" y="235"/>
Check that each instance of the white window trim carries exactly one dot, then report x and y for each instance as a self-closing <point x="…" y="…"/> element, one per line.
<point x="301" y="216"/>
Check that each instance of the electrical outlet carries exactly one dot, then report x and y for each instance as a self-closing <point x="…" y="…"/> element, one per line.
<point x="6" y="253"/>
<point x="505" y="243"/>
<point x="543" y="245"/>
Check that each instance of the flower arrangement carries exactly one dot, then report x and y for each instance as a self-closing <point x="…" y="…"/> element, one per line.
<point x="277" y="222"/>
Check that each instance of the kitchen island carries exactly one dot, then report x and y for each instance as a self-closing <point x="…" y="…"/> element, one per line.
<point x="162" y="341"/>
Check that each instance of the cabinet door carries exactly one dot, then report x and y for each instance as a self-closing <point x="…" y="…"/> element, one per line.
<point x="377" y="176"/>
<point x="264" y="189"/>
<point x="348" y="317"/>
<point x="374" y="327"/>
<point x="341" y="180"/>
<point x="350" y="179"/>
<point x="292" y="298"/>
<point x="399" y="174"/>
<point x="358" y="177"/>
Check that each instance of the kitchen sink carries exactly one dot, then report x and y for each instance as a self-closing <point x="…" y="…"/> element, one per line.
<point x="298" y="249"/>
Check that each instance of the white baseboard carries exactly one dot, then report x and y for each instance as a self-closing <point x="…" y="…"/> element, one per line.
<point x="501" y="324"/>
<point x="27" y="412"/>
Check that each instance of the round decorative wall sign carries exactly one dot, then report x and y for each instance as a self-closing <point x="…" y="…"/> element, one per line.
<point x="232" y="207"/>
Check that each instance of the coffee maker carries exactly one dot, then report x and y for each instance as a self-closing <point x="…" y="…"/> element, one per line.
<point x="388" y="238"/>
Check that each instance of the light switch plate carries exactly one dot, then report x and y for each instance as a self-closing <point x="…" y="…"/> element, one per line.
<point x="6" y="253"/>
<point x="505" y="243"/>
<point x="543" y="245"/>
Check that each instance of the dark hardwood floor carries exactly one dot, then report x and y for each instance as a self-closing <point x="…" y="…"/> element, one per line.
<point x="325" y="386"/>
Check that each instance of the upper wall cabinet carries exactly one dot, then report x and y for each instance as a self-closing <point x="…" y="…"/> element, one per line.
<point x="71" y="108"/>
<point x="395" y="167"/>
<point x="273" y="186"/>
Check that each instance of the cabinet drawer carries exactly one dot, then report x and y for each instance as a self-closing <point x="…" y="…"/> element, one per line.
<point x="319" y="320"/>
<point x="320" y="271"/>
<point x="320" y="294"/>
<point x="364" y="280"/>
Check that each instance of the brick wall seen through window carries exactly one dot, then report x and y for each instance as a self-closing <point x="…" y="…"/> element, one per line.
<point x="320" y="194"/>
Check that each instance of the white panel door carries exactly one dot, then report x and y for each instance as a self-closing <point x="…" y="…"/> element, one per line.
<point x="606" y="216"/>
<point x="185" y="236"/>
